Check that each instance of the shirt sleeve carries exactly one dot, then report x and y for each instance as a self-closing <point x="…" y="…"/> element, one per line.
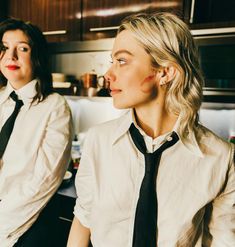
<point x="221" y="228"/>
<point x="84" y="183"/>
<point x="21" y="206"/>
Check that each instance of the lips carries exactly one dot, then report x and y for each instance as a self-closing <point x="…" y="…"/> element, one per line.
<point x="115" y="91"/>
<point x="12" y="67"/>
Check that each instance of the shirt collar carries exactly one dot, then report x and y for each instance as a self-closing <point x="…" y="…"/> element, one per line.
<point x="124" y="123"/>
<point x="25" y="93"/>
<point x="190" y="141"/>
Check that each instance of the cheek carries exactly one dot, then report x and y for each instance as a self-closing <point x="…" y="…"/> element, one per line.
<point x="2" y="66"/>
<point x="27" y="63"/>
<point x="148" y="85"/>
<point x="2" y="59"/>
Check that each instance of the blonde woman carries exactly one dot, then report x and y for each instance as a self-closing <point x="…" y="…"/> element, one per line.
<point x="155" y="176"/>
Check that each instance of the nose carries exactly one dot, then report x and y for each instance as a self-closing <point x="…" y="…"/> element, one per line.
<point x="11" y="54"/>
<point x="109" y="75"/>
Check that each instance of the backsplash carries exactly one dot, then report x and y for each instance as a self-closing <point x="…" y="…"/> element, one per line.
<point x="87" y="111"/>
<point x="77" y="64"/>
<point x="221" y="121"/>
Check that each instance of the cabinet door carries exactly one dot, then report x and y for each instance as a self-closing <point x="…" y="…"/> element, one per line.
<point x="59" y="19"/>
<point x="210" y="13"/>
<point x="101" y="18"/>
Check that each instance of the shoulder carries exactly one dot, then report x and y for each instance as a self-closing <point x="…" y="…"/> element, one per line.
<point x="211" y="143"/>
<point x="55" y="98"/>
<point x="55" y="101"/>
<point x="107" y="132"/>
<point x="108" y="127"/>
<point x="54" y="105"/>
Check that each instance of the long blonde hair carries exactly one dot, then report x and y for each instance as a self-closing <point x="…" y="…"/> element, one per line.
<point x="168" y="41"/>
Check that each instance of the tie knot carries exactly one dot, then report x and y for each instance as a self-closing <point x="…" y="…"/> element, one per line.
<point x="14" y="96"/>
<point x="140" y="143"/>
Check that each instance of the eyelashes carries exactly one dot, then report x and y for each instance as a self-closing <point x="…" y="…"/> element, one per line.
<point x="121" y="61"/>
<point x="3" y="48"/>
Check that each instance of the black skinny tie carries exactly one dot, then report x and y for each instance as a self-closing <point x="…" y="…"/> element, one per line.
<point x="9" y="124"/>
<point x="145" y="226"/>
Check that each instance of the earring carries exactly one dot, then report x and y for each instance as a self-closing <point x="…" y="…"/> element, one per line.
<point x="162" y="83"/>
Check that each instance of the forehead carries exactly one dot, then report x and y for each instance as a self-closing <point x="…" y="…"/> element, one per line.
<point x="17" y="36"/>
<point x="125" y="41"/>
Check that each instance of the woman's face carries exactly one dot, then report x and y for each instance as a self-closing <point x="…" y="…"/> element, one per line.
<point x="131" y="76"/>
<point x="15" y="59"/>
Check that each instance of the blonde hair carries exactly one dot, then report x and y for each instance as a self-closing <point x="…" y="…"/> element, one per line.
<point x="169" y="42"/>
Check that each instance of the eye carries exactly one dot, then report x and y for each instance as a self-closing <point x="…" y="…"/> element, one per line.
<point x="23" y="48"/>
<point x="121" y="61"/>
<point x="3" y="48"/>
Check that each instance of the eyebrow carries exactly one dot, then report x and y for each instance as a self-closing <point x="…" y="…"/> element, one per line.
<point x="20" y="42"/>
<point x="121" y="51"/>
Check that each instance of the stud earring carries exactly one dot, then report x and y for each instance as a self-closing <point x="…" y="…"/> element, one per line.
<point x="162" y="83"/>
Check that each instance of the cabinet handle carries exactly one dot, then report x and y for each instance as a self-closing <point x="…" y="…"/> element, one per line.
<point x="65" y="219"/>
<point x="55" y="32"/>
<point x="98" y="29"/>
<point x="192" y="11"/>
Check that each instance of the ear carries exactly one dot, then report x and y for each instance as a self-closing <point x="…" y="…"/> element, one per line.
<point x="167" y="74"/>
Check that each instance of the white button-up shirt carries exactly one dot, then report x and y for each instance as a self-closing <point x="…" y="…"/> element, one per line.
<point x="195" y="175"/>
<point x="35" y="158"/>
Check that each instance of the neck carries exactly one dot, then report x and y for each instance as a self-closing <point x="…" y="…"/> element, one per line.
<point x="20" y="83"/>
<point x="155" y="120"/>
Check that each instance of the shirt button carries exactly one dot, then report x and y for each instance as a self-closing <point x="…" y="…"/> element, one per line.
<point x="169" y="138"/>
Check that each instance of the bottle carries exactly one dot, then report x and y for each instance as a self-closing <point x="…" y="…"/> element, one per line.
<point x="75" y="155"/>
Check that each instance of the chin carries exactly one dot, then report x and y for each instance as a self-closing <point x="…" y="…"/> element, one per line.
<point x="121" y="105"/>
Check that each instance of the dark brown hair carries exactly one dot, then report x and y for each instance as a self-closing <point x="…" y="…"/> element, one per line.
<point x="39" y="55"/>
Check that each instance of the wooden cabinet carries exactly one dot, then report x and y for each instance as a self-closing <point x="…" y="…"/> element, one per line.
<point x="101" y="18"/>
<point x="60" y="20"/>
<point x="78" y="20"/>
<point x="74" y="20"/>
<point x="210" y="13"/>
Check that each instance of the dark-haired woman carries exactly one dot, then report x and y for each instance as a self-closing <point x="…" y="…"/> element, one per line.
<point x="35" y="151"/>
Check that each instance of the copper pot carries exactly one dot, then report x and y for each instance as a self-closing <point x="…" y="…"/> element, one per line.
<point x="89" y="80"/>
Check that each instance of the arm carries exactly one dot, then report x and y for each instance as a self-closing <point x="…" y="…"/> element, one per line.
<point x="79" y="235"/>
<point x="22" y="204"/>
<point x="220" y="228"/>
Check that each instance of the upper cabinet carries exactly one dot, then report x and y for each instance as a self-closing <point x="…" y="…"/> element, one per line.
<point x="210" y="13"/>
<point x="60" y="20"/>
<point x="100" y="19"/>
<point x="78" y="20"/>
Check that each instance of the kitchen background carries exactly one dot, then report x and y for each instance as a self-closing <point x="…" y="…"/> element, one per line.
<point x="80" y="35"/>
